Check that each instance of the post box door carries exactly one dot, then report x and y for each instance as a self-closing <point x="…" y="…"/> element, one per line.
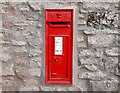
<point x="59" y="48"/>
<point x="58" y="57"/>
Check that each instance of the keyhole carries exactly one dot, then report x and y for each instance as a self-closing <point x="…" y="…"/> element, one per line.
<point x="54" y="60"/>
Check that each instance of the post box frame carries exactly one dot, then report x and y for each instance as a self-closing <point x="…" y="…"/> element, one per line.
<point x="75" y="52"/>
<point x="69" y="78"/>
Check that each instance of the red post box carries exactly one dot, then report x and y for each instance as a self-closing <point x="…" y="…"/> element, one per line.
<point x="59" y="45"/>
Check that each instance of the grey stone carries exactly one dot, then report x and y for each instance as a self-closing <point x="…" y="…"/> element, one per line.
<point x="82" y="85"/>
<point x="21" y="49"/>
<point x="35" y="72"/>
<point x="86" y="52"/>
<point x="35" y="62"/>
<point x="92" y="75"/>
<point x="93" y="31"/>
<point x="0" y="21"/>
<point x="22" y="73"/>
<point x="21" y="68"/>
<point x="4" y="49"/>
<point x="4" y="42"/>
<point x="39" y="25"/>
<point x="34" y="42"/>
<point x="97" y="52"/>
<point x="18" y="43"/>
<point x="91" y="67"/>
<point x="100" y="40"/>
<point x="87" y="61"/>
<point x="25" y="23"/>
<point x="1" y="35"/>
<point x="32" y="23"/>
<point x="10" y="84"/>
<point x="45" y="88"/>
<point x="34" y="53"/>
<point x="4" y="57"/>
<point x="97" y="62"/>
<point x="8" y="24"/>
<point x="31" y="81"/>
<point x="73" y="89"/>
<point x="8" y="70"/>
<point x="112" y="52"/>
<point x="35" y="6"/>
<point x="81" y="16"/>
<point x="83" y="11"/>
<point x="82" y="45"/>
<point x="24" y="8"/>
<point x="35" y="59"/>
<point x="80" y="38"/>
<point x="111" y="63"/>
<point x="105" y="85"/>
<point x="82" y="22"/>
<point x="81" y="41"/>
<point x="82" y="27"/>
<point x="30" y="88"/>
<point x="117" y="71"/>
<point x="62" y="88"/>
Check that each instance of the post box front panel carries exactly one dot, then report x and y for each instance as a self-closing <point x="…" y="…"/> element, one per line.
<point x="59" y="40"/>
<point x="58" y="62"/>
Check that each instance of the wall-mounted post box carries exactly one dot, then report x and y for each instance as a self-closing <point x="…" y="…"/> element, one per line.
<point x="59" y="45"/>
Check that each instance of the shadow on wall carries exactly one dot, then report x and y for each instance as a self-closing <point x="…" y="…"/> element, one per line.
<point x="104" y="19"/>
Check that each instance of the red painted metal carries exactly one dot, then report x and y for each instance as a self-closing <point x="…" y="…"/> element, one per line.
<point x="59" y="23"/>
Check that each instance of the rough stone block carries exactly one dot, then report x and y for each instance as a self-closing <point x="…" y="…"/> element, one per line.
<point x="73" y="89"/>
<point x="1" y="35"/>
<point x="111" y="63"/>
<point x="34" y="53"/>
<point x="24" y="8"/>
<point x="101" y="40"/>
<point x="20" y="49"/>
<point x="35" y="72"/>
<point x="82" y="22"/>
<point x="39" y="25"/>
<point x="97" y="62"/>
<point x="18" y="43"/>
<point x="83" y="11"/>
<point x="82" y="45"/>
<point x="91" y="67"/>
<point x="93" y="31"/>
<point x="35" y="6"/>
<point x="86" y="61"/>
<point x="34" y="42"/>
<point x="25" y="23"/>
<point x="10" y="84"/>
<point x="117" y="71"/>
<point x="105" y="85"/>
<point x="62" y="88"/>
<point x="112" y="52"/>
<point x="35" y="62"/>
<point x="8" y="24"/>
<point x="4" y="57"/>
<point x="95" y="52"/>
<point x="7" y="70"/>
<point x="22" y="73"/>
<point x="30" y="88"/>
<point x="80" y="38"/>
<point x="21" y="68"/>
<point x="81" y="16"/>
<point x="45" y="88"/>
<point x="92" y="75"/>
<point x="31" y="81"/>
<point x="83" y="85"/>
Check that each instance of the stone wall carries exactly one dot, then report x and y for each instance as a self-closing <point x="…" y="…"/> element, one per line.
<point x="23" y="46"/>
